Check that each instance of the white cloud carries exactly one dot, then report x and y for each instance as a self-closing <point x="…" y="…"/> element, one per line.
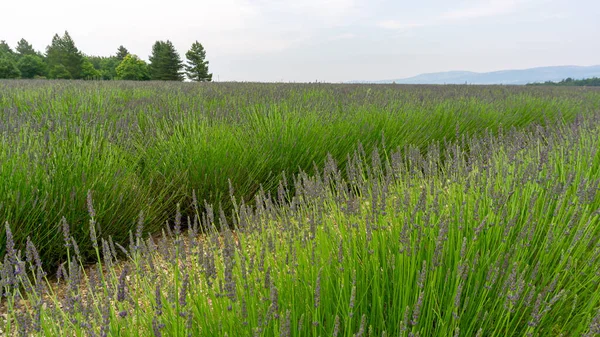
<point x="398" y="25"/>
<point x="268" y="26"/>
<point x="253" y="43"/>
<point x="553" y="16"/>
<point x="486" y="9"/>
<point x="278" y="25"/>
<point x="327" y="11"/>
<point x="345" y="36"/>
<point x="480" y="10"/>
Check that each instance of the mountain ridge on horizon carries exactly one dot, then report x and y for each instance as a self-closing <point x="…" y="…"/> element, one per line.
<point x="507" y="76"/>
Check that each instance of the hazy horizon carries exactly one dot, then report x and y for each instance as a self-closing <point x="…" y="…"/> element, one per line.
<point x="328" y="40"/>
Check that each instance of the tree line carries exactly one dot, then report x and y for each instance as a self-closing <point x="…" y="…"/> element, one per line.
<point x="63" y="60"/>
<point x="586" y="82"/>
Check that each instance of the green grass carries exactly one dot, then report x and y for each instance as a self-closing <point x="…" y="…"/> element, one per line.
<point x="493" y="235"/>
<point x="146" y="147"/>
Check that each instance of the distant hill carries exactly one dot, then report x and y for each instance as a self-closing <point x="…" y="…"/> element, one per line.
<point x="521" y="76"/>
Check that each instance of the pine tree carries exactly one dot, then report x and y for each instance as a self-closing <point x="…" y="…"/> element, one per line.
<point x="165" y="63"/>
<point x="55" y="58"/>
<point x="63" y="52"/>
<point x="197" y="67"/>
<point x="5" y="50"/>
<point x="25" y="48"/>
<point x="121" y="53"/>
<point x="74" y="58"/>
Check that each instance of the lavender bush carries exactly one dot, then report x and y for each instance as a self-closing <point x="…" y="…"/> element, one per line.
<point x="491" y="235"/>
<point x="149" y="146"/>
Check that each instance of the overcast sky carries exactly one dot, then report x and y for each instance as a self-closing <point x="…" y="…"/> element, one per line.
<point x="324" y="40"/>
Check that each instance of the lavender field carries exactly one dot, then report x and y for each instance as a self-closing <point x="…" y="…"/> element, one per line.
<point x="222" y="209"/>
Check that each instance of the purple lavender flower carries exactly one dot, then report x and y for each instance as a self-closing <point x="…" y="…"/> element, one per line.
<point x="336" y="326"/>
<point x="121" y="289"/>
<point x="158" y="301"/>
<point x="66" y="232"/>
<point x="156" y="327"/>
<point x="184" y="289"/>
<point x="417" y="310"/>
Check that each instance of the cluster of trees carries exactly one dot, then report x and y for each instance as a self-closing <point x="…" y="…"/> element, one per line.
<point x="62" y="60"/>
<point x="587" y="82"/>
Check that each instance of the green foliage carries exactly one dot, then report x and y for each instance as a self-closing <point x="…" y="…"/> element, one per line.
<point x="59" y="72"/>
<point x="133" y="69"/>
<point x="88" y="71"/>
<point x="5" y="50"/>
<point x="196" y="68"/>
<point x="8" y="67"/>
<point x="95" y="60"/>
<point x="106" y="65"/>
<point x="122" y="52"/>
<point x="63" y="60"/>
<point x="31" y="66"/>
<point x="165" y="63"/>
<point x="25" y="48"/>
<point x="63" y="52"/>
<point x="586" y="82"/>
